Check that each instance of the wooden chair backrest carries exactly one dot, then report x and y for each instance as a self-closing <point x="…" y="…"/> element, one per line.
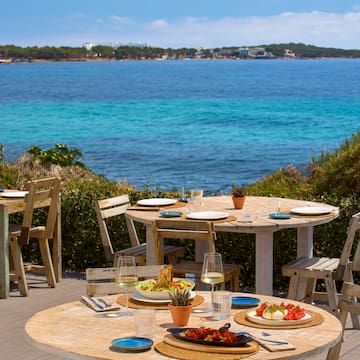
<point x="41" y="193"/>
<point x="101" y="281"/>
<point x="352" y="229"/>
<point x="185" y="230"/>
<point x="107" y="208"/>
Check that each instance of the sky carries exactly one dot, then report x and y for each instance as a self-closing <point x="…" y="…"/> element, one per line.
<point x="180" y="23"/>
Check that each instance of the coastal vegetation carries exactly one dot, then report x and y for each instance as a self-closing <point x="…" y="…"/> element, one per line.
<point x="332" y="178"/>
<point x="129" y="52"/>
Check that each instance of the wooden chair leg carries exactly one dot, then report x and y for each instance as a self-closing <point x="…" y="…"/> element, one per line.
<point x="293" y="285"/>
<point x="309" y="290"/>
<point x="334" y="352"/>
<point x="16" y="255"/>
<point x="47" y="262"/>
<point x="332" y="295"/>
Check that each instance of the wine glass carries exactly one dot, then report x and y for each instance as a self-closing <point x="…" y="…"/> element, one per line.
<point x="212" y="271"/>
<point x="126" y="276"/>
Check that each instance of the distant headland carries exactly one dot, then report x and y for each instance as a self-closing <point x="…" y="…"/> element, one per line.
<point x="97" y="52"/>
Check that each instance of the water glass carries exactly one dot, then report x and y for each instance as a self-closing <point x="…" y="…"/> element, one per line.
<point x="195" y="198"/>
<point x="145" y="320"/>
<point x="222" y="305"/>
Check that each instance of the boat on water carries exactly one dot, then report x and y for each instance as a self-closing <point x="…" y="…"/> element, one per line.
<point x="5" y="61"/>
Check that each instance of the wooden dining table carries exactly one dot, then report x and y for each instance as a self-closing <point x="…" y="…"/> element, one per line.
<point x="10" y="206"/>
<point x="75" y="331"/>
<point x="253" y="218"/>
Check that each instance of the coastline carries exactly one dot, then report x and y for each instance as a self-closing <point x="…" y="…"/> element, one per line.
<point x="100" y="59"/>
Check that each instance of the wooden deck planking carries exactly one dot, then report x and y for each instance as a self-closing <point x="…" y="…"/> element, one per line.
<point x="15" y="311"/>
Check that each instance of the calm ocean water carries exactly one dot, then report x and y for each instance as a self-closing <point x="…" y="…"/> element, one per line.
<point x="182" y="123"/>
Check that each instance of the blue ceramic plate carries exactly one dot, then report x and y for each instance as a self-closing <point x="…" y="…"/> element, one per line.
<point x="280" y="216"/>
<point x="244" y="301"/>
<point x="171" y="214"/>
<point x="132" y="343"/>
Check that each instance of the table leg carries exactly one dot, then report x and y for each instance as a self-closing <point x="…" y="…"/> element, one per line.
<point x="305" y="242"/>
<point x="4" y="253"/>
<point x="150" y="248"/>
<point x="304" y="249"/>
<point x="264" y="263"/>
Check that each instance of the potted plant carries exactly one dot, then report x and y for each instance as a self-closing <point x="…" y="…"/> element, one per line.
<point x="180" y="306"/>
<point x="238" y="196"/>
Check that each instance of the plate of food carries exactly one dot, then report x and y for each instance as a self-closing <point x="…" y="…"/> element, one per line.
<point x="311" y="210"/>
<point x="207" y="215"/>
<point x="159" y="288"/>
<point x="209" y="336"/>
<point x="156" y="202"/>
<point x="138" y="297"/>
<point x="279" y="314"/>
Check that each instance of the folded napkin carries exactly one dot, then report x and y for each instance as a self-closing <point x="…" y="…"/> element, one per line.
<point x="99" y="304"/>
<point x="269" y="343"/>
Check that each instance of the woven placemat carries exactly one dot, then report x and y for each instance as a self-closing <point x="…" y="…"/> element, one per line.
<point x="227" y="219"/>
<point x="240" y="318"/>
<point x="183" y="354"/>
<point x="134" y="304"/>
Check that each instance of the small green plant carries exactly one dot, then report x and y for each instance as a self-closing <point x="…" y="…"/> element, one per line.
<point x="237" y="191"/>
<point x="60" y="155"/>
<point x="180" y="297"/>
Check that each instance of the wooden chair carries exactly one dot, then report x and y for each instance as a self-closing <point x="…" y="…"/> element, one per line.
<point x="44" y="193"/>
<point x="117" y="206"/>
<point x="101" y="281"/>
<point x="348" y="305"/>
<point x="197" y="231"/>
<point x="329" y="270"/>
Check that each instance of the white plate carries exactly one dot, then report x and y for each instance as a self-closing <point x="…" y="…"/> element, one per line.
<point x="138" y="297"/>
<point x="14" y="194"/>
<point x="207" y="215"/>
<point x="251" y="315"/>
<point x="156" y="202"/>
<point x="311" y="210"/>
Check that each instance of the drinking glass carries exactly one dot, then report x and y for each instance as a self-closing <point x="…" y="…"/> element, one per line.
<point x="212" y="271"/>
<point x="126" y="276"/>
<point x="195" y="199"/>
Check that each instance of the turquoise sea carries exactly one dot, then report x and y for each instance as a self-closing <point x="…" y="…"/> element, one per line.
<point x="182" y="123"/>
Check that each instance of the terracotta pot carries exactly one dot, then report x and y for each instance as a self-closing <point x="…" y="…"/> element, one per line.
<point x="238" y="202"/>
<point x="180" y="314"/>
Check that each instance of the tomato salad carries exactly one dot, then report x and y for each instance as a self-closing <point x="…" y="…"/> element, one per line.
<point x="209" y="334"/>
<point x="282" y="311"/>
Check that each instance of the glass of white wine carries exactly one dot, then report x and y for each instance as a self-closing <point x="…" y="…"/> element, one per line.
<point x="126" y="276"/>
<point x="212" y="271"/>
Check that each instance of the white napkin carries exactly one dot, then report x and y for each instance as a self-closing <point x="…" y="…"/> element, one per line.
<point x="263" y="341"/>
<point x="102" y="304"/>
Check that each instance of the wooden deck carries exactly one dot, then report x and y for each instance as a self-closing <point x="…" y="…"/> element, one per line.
<point x="15" y="311"/>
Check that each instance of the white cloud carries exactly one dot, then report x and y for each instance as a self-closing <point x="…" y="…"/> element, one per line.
<point x="121" y="20"/>
<point x="318" y="28"/>
<point x="158" y="24"/>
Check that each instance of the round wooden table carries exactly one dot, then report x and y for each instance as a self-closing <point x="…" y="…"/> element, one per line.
<point x="253" y="218"/>
<point x="75" y="331"/>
